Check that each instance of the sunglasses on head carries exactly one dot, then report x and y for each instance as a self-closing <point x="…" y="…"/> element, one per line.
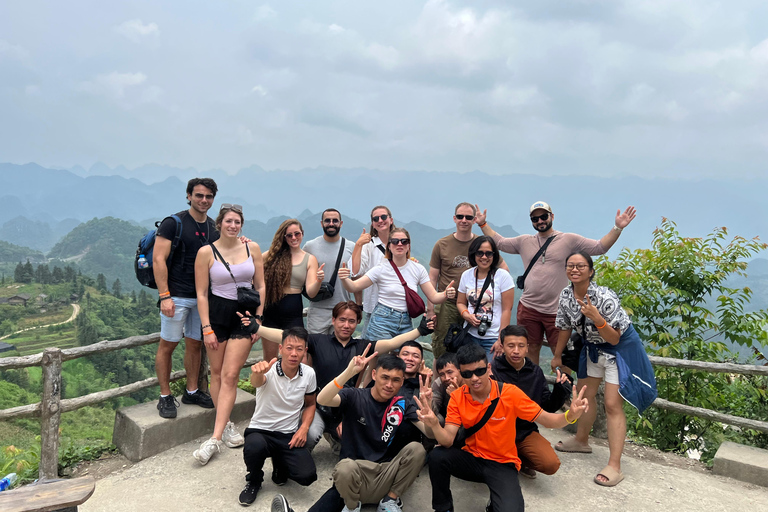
<point x="467" y="374"/>
<point x="399" y="241"/>
<point x="487" y="254"/>
<point x="234" y="207"/>
<point x="543" y="216"/>
<point x="297" y="234"/>
<point x="462" y="217"/>
<point x="377" y="217"/>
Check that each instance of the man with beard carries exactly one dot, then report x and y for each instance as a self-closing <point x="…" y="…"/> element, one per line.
<point x="538" y="305"/>
<point x="326" y="249"/>
<point x="370" y="469"/>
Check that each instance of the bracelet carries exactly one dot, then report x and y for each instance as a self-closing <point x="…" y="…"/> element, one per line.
<point x="605" y="322"/>
<point x="481" y="226"/>
<point x="337" y="384"/>
<point x="570" y="422"/>
<point x="206" y="325"/>
<point x="617" y="228"/>
<point x="165" y="298"/>
<point x="165" y="294"/>
<point x="207" y="333"/>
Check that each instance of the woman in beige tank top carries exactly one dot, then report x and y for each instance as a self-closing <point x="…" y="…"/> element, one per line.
<point x="287" y="270"/>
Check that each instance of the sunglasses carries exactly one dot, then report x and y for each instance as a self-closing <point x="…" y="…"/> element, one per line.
<point x="536" y="218"/>
<point x="400" y="241"/>
<point x="331" y="221"/>
<point x="382" y="217"/>
<point x="297" y="234"/>
<point x="209" y="197"/>
<point x="580" y="266"/>
<point x="487" y="254"/>
<point x="462" y="217"/>
<point x="467" y="374"/>
<point x="234" y="207"/>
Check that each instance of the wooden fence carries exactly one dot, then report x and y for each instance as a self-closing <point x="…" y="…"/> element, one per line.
<point x="52" y="405"/>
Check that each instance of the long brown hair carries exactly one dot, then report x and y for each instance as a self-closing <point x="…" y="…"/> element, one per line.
<point x="277" y="264"/>
<point x="374" y="231"/>
<point x="388" y="253"/>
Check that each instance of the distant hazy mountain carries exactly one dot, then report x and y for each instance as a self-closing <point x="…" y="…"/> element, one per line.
<point x="10" y="253"/>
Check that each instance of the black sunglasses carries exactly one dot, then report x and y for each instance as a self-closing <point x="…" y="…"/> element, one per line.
<point x="467" y="374"/>
<point x="382" y="217"/>
<point x="331" y="221"/>
<point x="536" y="218"/>
<point x="399" y="241"/>
<point x="487" y="254"/>
<point x="234" y="207"/>
<point x="462" y="217"/>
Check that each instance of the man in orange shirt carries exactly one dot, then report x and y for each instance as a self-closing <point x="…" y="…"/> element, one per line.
<point x="487" y="456"/>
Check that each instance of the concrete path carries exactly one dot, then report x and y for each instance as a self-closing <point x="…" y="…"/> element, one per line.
<point x="75" y="312"/>
<point x="173" y="480"/>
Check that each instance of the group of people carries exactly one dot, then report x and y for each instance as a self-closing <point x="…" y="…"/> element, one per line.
<point x="372" y="397"/>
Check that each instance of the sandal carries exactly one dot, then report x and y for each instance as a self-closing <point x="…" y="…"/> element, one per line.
<point x="612" y="477"/>
<point x="572" y="446"/>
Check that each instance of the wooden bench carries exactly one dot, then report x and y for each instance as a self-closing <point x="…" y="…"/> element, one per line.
<point x="57" y="495"/>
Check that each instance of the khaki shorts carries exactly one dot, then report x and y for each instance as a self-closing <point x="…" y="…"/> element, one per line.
<point x="604" y="368"/>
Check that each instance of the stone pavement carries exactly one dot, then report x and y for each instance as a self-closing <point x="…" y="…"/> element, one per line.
<point x="173" y="481"/>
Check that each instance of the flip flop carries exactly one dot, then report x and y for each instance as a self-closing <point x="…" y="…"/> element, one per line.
<point x="572" y="446"/>
<point x="612" y="476"/>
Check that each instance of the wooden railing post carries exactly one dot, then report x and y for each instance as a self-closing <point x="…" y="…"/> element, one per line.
<point x="50" y="414"/>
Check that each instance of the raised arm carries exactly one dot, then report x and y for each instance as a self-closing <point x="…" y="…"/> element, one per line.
<point x="436" y="297"/>
<point x="424" y="328"/>
<point x="259" y="370"/>
<point x="268" y="333"/>
<point x="350" y="285"/>
<point x="443" y="435"/>
<point x="622" y="221"/>
<point x="357" y="252"/>
<point x="579" y="406"/>
<point x="481" y="219"/>
<point x="329" y="395"/>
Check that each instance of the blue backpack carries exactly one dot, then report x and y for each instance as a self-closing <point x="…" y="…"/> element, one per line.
<point x="143" y="262"/>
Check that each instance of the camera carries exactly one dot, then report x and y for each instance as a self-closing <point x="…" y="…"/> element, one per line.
<point x="484" y="325"/>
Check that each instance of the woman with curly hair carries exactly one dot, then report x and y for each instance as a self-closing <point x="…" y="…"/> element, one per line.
<point x="287" y="270"/>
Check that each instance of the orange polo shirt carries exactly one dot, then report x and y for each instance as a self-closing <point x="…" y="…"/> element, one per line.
<point x="496" y="440"/>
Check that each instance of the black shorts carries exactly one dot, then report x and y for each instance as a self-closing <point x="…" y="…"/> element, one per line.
<point x="224" y="320"/>
<point x="285" y="313"/>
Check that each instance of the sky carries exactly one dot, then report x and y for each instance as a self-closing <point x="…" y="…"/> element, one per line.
<point x="607" y="88"/>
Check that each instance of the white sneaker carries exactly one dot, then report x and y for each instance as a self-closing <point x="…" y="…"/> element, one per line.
<point x="206" y="450"/>
<point x="390" y="505"/>
<point x="346" y="509"/>
<point x="231" y="437"/>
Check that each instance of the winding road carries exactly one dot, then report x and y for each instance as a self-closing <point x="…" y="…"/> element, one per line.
<point x="75" y="312"/>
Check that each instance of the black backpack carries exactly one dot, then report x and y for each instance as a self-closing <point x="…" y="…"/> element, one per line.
<point x="142" y="263"/>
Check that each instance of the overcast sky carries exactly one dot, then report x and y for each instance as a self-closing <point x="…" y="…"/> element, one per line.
<point x="652" y="88"/>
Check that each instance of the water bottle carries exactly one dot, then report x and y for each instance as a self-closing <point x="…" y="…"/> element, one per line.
<point x="143" y="263"/>
<point x="8" y="481"/>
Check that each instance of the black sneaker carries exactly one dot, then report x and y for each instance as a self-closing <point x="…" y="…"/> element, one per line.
<point x="280" y="504"/>
<point x="199" y="398"/>
<point x="248" y="495"/>
<point x="279" y="477"/>
<point x="167" y="406"/>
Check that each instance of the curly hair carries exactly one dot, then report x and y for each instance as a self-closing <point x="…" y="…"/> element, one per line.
<point x="277" y="264"/>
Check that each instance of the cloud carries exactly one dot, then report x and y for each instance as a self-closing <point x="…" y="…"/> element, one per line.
<point x="264" y="12"/>
<point x="113" y="85"/>
<point x="12" y="51"/>
<point x="260" y="90"/>
<point x="136" y="30"/>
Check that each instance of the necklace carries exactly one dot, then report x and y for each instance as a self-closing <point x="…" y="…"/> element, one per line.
<point x="202" y="231"/>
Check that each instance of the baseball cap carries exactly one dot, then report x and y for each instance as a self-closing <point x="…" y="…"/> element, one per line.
<point x="540" y="205"/>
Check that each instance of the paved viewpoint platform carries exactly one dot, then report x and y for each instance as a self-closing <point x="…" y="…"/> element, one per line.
<point x="173" y="480"/>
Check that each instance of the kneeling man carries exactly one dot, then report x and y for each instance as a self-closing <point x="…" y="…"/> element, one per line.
<point x="285" y="406"/>
<point x="487" y="457"/>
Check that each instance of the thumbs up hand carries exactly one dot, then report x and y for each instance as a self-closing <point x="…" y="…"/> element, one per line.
<point x="320" y="273"/>
<point x="344" y="272"/>
<point x="364" y="238"/>
<point x="450" y="291"/>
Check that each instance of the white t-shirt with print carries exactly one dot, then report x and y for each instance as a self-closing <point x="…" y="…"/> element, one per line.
<point x="391" y="291"/>
<point x="491" y="303"/>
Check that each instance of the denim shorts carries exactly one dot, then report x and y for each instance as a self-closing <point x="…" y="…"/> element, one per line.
<point x="185" y="322"/>
<point x="387" y="323"/>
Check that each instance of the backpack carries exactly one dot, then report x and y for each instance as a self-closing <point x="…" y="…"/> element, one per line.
<point x="142" y="264"/>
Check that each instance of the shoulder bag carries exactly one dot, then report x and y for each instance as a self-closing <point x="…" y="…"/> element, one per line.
<point x="463" y="434"/>
<point x="327" y="288"/>
<point x="520" y="282"/>
<point x="458" y="333"/>
<point x="413" y="302"/>
<point x="247" y="298"/>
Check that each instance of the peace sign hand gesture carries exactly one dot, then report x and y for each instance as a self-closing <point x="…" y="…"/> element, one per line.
<point x="425" y="412"/>
<point x="425" y="387"/>
<point x="579" y="404"/>
<point x="358" y="363"/>
<point x="589" y="310"/>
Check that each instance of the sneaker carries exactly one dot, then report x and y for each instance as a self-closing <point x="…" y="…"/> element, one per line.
<point x="347" y="509"/>
<point x="202" y="399"/>
<point x="231" y="437"/>
<point x="206" y="450"/>
<point x="280" y="504"/>
<point x="167" y="406"/>
<point x="528" y="472"/>
<point x="335" y="444"/>
<point x="387" y="504"/>
<point x="279" y="477"/>
<point x="248" y="495"/>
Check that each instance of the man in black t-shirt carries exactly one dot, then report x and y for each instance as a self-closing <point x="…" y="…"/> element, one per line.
<point x="175" y="278"/>
<point x="370" y="470"/>
<point x="330" y="354"/>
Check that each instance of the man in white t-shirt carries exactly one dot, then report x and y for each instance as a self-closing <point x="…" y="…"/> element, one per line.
<point x="285" y="407"/>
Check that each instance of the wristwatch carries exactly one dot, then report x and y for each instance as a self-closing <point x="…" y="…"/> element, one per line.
<point x="617" y="228"/>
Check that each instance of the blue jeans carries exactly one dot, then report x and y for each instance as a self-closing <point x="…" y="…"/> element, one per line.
<point x="486" y="344"/>
<point x="185" y="322"/>
<point x="386" y="323"/>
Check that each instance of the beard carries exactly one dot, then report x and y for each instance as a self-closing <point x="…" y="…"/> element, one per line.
<point x="542" y="229"/>
<point x="331" y="230"/>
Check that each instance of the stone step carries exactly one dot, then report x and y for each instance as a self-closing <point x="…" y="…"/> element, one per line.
<point x="140" y="432"/>
<point x="745" y="463"/>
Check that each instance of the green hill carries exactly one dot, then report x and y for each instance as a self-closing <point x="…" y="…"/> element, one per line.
<point x="11" y="253"/>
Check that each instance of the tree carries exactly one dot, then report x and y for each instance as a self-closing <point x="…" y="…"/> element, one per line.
<point x="101" y="283"/>
<point x="678" y="297"/>
<point x="57" y="276"/>
<point x="117" y="289"/>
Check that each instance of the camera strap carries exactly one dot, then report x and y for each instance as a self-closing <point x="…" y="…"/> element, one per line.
<point x="488" y="281"/>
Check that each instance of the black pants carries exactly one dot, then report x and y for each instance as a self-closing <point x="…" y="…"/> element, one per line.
<point x="331" y="501"/>
<point x="500" y="478"/>
<point x="296" y="463"/>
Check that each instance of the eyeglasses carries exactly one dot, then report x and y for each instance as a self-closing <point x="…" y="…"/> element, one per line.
<point x="543" y="216"/>
<point x="400" y="241"/>
<point x="580" y="266"/>
<point x="382" y="217"/>
<point x="234" y="207"/>
<point x="487" y="254"/>
<point x="467" y="374"/>
<point x="297" y="234"/>
<point x="209" y="197"/>
<point x="462" y="217"/>
<point x="331" y="221"/>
